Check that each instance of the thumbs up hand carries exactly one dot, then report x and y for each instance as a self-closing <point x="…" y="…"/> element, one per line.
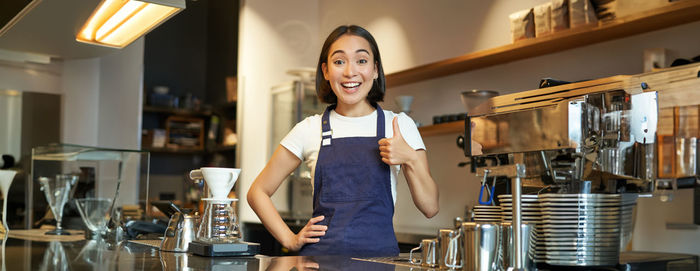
<point x="395" y="150"/>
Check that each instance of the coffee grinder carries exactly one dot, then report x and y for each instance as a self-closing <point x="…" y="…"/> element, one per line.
<point x="218" y="233"/>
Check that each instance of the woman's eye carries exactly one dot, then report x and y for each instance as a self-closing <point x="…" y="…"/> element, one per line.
<point x="338" y="62"/>
<point x="362" y="61"/>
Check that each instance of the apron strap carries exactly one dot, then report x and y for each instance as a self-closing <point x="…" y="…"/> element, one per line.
<point x="380" y="122"/>
<point x="327" y="133"/>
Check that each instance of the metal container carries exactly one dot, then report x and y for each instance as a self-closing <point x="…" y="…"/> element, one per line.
<point x="480" y="246"/>
<point x="507" y="247"/>
<point x="428" y="257"/>
<point x="180" y="233"/>
<point x="450" y="248"/>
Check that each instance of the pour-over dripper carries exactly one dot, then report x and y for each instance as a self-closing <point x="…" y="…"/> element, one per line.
<point x="219" y="180"/>
<point x="6" y="177"/>
<point x="95" y="213"/>
<point x="58" y="191"/>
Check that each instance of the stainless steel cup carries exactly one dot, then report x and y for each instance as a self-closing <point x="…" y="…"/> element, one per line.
<point x="507" y="247"/>
<point x="450" y="252"/>
<point x="428" y="257"/>
<point x="481" y="241"/>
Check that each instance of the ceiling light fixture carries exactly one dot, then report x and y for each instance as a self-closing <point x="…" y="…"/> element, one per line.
<point x="117" y="23"/>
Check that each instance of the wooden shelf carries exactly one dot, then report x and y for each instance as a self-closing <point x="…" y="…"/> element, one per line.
<point x="442" y="128"/>
<point x="675" y="13"/>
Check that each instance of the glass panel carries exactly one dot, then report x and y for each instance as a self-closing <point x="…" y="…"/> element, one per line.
<point x="119" y="174"/>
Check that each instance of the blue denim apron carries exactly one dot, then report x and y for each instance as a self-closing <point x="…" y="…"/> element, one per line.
<point x="352" y="190"/>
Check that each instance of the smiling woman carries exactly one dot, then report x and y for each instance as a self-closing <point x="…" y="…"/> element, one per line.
<point x="352" y="71"/>
<point x="356" y="151"/>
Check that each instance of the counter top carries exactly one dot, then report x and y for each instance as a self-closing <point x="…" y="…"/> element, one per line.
<point x="18" y="254"/>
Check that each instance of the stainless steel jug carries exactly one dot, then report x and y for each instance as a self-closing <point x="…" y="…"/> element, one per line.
<point x="450" y="248"/>
<point x="507" y="247"/>
<point x="428" y="257"/>
<point x="180" y="232"/>
<point x="480" y="246"/>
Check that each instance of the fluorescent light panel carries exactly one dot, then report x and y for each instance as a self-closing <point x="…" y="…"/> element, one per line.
<point x="117" y="23"/>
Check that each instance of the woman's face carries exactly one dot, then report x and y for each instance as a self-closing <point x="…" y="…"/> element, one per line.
<point x="350" y="69"/>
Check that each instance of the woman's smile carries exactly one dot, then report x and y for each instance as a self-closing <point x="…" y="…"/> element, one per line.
<point x="350" y="87"/>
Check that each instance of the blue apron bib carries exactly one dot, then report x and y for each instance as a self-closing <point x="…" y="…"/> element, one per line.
<point x="352" y="190"/>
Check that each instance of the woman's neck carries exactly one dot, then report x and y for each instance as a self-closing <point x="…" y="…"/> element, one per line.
<point x="360" y="109"/>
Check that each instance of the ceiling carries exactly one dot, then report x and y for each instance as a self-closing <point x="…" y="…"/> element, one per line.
<point x="50" y="29"/>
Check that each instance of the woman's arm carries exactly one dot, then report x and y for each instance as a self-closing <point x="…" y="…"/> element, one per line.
<point x="282" y="163"/>
<point x="424" y="191"/>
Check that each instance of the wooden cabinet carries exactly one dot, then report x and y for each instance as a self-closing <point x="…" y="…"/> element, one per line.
<point x="184" y="132"/>
<point x="187" y="131"/>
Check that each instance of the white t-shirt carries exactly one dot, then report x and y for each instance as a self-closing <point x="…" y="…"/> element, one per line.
<point x="304" y="140"/>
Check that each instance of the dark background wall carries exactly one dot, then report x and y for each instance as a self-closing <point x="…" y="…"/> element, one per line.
<point x="194" y="51"/>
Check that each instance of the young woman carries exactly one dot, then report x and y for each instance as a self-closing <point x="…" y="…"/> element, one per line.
<point x="355" y="150"/>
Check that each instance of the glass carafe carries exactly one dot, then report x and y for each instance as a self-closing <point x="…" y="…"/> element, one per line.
<point x="219" y="222"/>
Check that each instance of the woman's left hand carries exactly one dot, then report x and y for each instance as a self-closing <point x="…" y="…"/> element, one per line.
<point x="395" y="150"/>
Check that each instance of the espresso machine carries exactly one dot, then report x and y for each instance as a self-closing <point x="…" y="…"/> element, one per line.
<point x="583" y="153"/>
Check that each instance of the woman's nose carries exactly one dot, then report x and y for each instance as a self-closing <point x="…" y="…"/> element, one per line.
<point x="349" y="70"/>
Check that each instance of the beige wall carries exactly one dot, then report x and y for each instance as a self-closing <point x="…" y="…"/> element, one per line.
<point x="274" y="36"/>
<point x="411" y="33"/>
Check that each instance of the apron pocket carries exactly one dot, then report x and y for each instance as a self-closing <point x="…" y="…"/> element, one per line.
<point x="348" y="182"/>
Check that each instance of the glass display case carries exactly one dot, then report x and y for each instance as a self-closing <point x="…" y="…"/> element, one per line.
<point x="118" y="174"/>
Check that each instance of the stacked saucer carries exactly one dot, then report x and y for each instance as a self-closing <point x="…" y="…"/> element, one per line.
<point x="531" y="214"/>
<point x="581" y="229"/>
<point x="629" y="201"/>
<point x="487" y="214"/>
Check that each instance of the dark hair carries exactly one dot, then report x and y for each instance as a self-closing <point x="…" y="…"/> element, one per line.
<point x="323" y="88"/>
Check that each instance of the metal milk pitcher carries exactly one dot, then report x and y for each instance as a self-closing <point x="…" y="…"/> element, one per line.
<point x="481" y="241"/>
<point x="450" y="246"/>
<point x="507" y="246"/>
<point x="427" y="257"/>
